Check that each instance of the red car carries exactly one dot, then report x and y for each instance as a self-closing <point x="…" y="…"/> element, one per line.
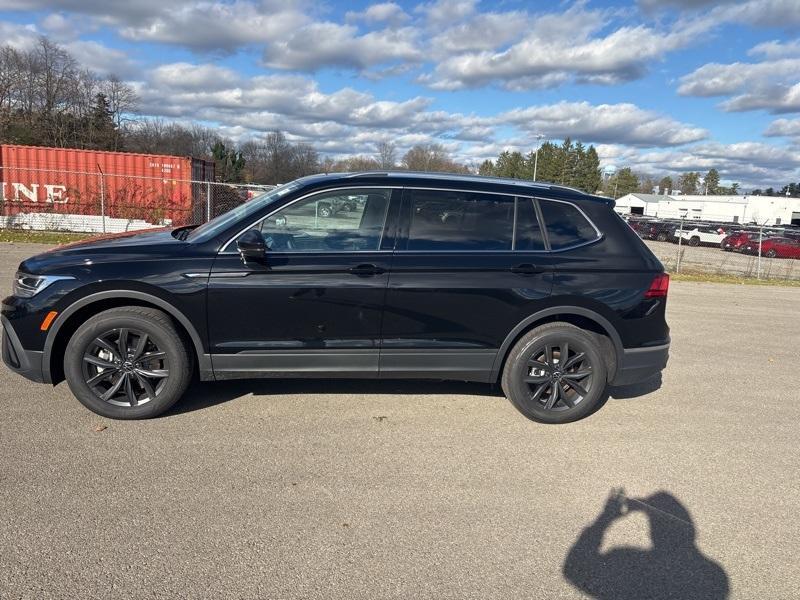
<point x="775" y="247"/>
<point x="738" y="240"/>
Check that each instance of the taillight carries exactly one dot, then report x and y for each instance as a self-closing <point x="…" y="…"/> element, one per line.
<point x="659" y="287"/>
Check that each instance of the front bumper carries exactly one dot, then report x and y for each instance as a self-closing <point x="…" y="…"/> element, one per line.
<point x="27" y="363"/>
<point x="640" y="364"/>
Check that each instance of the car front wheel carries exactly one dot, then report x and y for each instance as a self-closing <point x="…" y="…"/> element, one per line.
<point x="556" y="373"/>
<point x="127" y="363"/>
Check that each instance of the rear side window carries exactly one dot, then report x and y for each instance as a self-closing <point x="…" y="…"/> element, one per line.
<point x="566" y="226"/>
<point x="445" y="220"/>
<point x="529" y="234"/>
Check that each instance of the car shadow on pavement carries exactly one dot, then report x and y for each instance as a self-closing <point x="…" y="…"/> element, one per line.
<point x="635" y="390"/>
<point x="201" y="395"/>
<point x="673" y="568"/>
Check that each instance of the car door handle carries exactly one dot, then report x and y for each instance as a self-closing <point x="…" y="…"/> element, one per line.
<point x="366" y="269"/>
<point x="526" y="269"/>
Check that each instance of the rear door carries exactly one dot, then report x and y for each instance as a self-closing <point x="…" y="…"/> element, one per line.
<point x="461" y="280"/>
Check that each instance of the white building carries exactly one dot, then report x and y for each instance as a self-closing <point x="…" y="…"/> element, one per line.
<point x="766" y="210"/>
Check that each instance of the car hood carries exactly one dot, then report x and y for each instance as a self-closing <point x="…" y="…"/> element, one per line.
<point x="126" y="238"/>
<point x="155" y="242"/>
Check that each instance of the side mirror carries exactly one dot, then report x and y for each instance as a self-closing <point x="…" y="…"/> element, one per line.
<point x="251" y="246"/>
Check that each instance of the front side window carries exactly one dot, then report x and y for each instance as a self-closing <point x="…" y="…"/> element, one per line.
<point x="331" y="221"/>
<point x="449" y="220"/>
<point x="566" y="225"/>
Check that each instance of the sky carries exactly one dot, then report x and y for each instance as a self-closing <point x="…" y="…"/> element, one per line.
<point x="661" y="86"/>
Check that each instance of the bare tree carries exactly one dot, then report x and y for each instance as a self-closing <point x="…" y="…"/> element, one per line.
<point x="431" y="157"/>
<point x="122" y="101"/>
<point x="387" y="155"/>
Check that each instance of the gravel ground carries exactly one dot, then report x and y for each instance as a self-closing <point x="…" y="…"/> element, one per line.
<point x="712" y="259"/>
<point x="342" y="489"/>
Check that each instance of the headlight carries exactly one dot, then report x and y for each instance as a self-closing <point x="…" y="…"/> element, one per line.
<point x="27" y="285"/>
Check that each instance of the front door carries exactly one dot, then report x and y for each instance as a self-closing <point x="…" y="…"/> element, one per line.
<point x="463" y="277"/>
<point x="313" y="305"/>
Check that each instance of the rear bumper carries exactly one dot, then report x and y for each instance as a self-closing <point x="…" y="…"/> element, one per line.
<point x="639" y="364"/>
<point x="27" y="363"/>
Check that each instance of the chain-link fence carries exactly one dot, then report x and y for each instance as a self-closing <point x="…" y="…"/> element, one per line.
<point x="721" y="247"/>
<point x="93" y="201"/>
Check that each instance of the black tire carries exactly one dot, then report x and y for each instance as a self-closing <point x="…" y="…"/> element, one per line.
<point x="662" y="237"/>
<point x="154" y="356"/>
<point x="771" y="253"/>
<point x="325" y="211"/>
<point x="531" y="350"/>
<point x="694" y="241"/>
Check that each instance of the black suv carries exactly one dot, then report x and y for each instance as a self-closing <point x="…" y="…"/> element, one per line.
<point x="541" y="288"/>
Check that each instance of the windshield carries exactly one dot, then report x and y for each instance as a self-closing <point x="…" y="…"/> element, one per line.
<point x="208" y="230"/>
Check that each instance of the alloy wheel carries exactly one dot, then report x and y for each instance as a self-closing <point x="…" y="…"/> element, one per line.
<point x="558" y="375"/>
<point x="125" y="367"/>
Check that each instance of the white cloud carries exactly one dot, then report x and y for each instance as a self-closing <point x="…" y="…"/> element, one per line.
<point x="763" y="13"/>
<point x="102" y="60"/>
<point x="216" y="26"/>
<point x="341" y="45"/>
<point x="769" y="85"/>
<point x="776" y="49"/>
<point x="784" y="128"/>
<point x="21" y="37"/>
<point x="605" y="123"/>
<point x="750" y="163"/>
<point x="385" y="12"/>
<point x="578" y="44"/>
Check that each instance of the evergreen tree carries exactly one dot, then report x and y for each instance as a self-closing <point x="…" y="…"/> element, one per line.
<point x="510" y="164"/>
<point x="587" y="175"/>
<point x="711" y="182"/>
<point x="623" y="182"/>
<point x="229" y="163"/>
<point x="486" y="168"/>
<point x="101" y="132"/>
<point x="688" y="182"/>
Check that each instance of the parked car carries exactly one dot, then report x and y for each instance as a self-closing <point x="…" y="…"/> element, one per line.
<point x="737" y="240"/>
<point x="703" y="235"/>
<point x="640" y="226"/>
<point x="663" y="231"/>
<point x="538" y="287"/>
<point x="775" y="247"/>
<point x="330" y="207"/>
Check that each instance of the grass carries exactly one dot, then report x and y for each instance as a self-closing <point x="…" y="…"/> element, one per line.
<point x="716" y="278"/>
<point x="41" y="237"/>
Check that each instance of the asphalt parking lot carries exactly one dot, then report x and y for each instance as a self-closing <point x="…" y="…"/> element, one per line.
<point x="320" y="489"/>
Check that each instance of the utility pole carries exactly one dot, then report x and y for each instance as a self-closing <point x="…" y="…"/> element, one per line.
<point x="539" y="137"/>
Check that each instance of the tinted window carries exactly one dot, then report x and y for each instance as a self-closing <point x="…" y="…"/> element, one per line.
<point x="443" y="220"/>
<point x="332" y="221"/>
<point x="529" y="233"/>
<point x="566" y="225"/>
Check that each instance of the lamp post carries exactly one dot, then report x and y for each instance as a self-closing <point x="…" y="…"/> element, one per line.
<point x="539" y="137"/>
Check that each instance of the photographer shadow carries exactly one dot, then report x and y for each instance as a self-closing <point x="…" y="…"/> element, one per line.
<point x="673" y="568"/>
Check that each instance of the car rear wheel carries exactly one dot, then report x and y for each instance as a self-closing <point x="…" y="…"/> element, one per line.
<point x="556" y="373"/>
<point x="662" y="237"/>
<point x="771" y="253"/>
<point x="325" y="211"/>
<point x="127" y="363"/>
<point x="694" y="241"/>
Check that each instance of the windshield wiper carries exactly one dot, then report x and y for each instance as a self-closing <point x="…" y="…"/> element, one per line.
<point x="181" y="233"/>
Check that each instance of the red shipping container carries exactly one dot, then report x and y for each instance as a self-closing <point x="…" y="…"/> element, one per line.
<point x="123" y="185"/>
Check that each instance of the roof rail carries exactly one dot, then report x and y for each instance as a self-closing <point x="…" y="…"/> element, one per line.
<point x="464" y="177"/>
